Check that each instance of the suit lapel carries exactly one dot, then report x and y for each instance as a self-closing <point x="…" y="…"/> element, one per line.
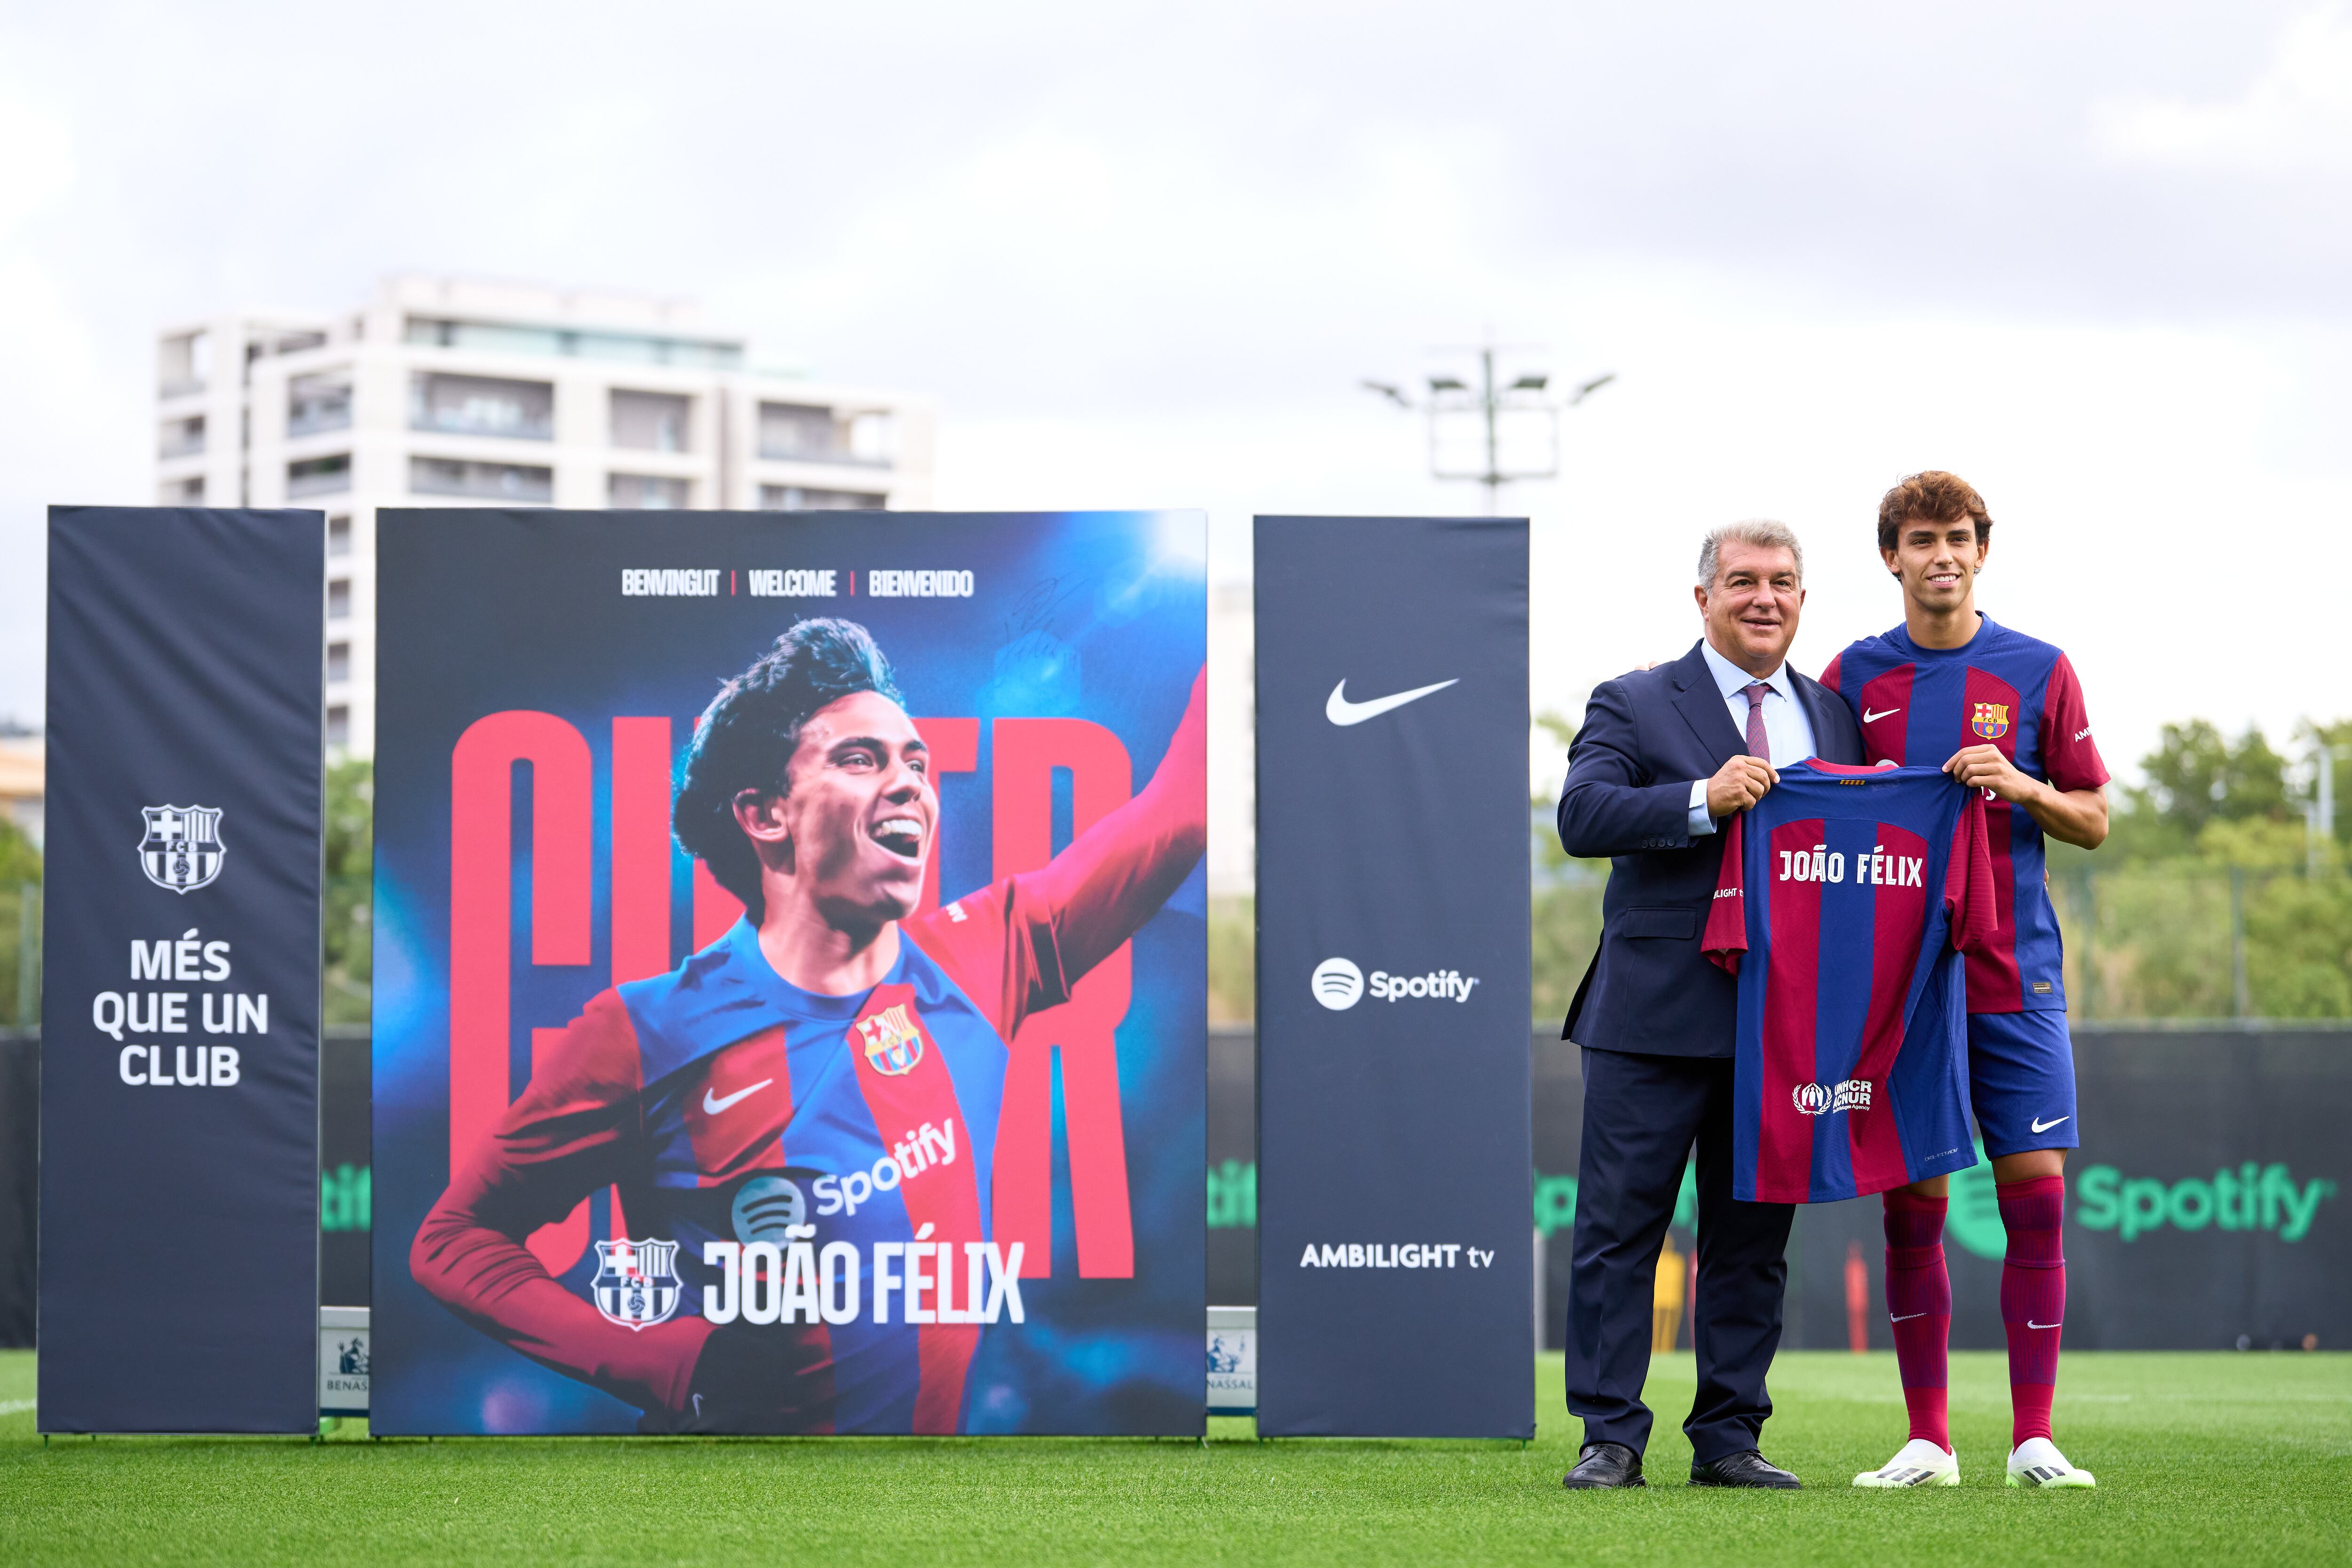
<point x="1702" y="708"/>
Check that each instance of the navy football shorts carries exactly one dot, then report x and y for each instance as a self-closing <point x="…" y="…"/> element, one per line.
<point x="2021" y="1081"/>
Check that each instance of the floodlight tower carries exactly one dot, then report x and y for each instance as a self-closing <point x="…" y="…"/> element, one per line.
<point x="1450" y="397"/>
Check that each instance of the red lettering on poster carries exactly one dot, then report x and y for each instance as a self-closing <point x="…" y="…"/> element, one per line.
<point x="481" y="893"/>
<point x="1028" y="751"/>
<point x="481" y="901"/>
<point x="641" y="849"/>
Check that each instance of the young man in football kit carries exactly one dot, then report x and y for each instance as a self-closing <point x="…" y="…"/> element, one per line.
<point x="827" y="1073"/>
<point x="2004" y="712"/>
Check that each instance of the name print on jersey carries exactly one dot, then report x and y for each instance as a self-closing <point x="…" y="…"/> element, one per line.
<point x="1877" y="868"/>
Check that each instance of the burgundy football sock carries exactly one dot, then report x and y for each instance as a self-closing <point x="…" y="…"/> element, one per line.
<point x="1919" y="1309"/>
<point x="2032" y="1299"/>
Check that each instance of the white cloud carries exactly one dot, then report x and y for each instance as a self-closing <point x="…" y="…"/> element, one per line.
<point x="2297" y="115"/>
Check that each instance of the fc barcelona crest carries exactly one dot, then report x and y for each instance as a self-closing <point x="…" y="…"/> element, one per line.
<point x="1990" y="720"/>
<point x="636" y="1283"/>
<point x="894" y="1041"/>
<point x="182" y="848"/>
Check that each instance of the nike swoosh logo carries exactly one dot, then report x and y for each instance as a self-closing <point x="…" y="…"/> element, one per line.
<point x="1341" y="711"/>
<point x="1907" y="1317"/>
<point x="2032" y="1324"/>
<point x="712" y="1105"/>
<point x="1870" y="717"/>
<point x="2042" y="1126"/>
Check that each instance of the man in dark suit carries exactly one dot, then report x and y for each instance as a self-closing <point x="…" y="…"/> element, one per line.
<point x="1664" y="757"/>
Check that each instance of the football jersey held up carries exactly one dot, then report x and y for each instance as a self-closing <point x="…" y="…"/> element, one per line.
<point x="1847" y="891"/>
<point x="1917" y="706"/>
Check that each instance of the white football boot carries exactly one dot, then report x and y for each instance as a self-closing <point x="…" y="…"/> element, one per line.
<point x="2038" y="1463"/>
<point x="1918" y="1463"/>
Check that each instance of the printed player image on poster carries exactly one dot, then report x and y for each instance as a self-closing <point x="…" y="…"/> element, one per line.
<point x="790" y="973"/>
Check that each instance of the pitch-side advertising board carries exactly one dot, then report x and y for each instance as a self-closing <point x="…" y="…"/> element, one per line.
<point x="790" y="973"/>
<point x="179" y="1199"/>
<point x="1392" y="1188"/>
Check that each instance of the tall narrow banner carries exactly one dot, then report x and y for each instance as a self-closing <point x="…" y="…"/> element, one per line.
<point x="1394" y="1271"/>
<point x="179" y="1229"/>
<point x="790" y="985"/>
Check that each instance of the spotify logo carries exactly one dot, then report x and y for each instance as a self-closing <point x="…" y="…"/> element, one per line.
<point x="766" y="1207"/>
<point x="1337" y="983"/>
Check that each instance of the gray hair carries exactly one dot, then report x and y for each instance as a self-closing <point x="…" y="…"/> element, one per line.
<point x="1761" y="531"/>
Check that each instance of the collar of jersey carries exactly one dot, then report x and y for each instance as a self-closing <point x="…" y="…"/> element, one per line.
<point x="751" y="967"/>
<point x="1987" y="631"/>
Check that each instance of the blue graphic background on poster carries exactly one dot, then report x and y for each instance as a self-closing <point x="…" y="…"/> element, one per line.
<point x="1100" y="616"/>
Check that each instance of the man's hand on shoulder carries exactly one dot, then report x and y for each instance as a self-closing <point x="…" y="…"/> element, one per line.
<point x="1739" y="784"/>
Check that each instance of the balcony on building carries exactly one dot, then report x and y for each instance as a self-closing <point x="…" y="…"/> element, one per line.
<point x="803" y="433"/>
<point x="319" y="403"/>
<point x="339" y="661"/>
<point x="184" y="364"/>
<point x="651" y="421"/>
<point x="319" y="476"/>
<point x="339" y="599"/>
<point x="800" y="498"/>
<point x="629" y="348"/>
<point x="527" y="483"/>
<point x="481" y="405"/>
<point x="649" y="492"/>
<point x="181" y="492"/>
<point x="181" y="437"/>
<point x="339" y="536"/>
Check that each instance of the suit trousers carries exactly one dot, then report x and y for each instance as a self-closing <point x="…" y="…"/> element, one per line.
<point x="1641" y="1115"/>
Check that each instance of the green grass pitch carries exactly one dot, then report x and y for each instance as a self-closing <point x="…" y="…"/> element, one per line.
<point x="2201" y="1458"/>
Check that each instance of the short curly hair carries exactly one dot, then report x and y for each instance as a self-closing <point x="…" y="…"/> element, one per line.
<point x="749" y="731"/>
<point x="1931" y="496"/>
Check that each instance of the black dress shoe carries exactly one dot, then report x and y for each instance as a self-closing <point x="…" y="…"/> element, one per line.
<point x="1747" y="1470"/>
<point x="1605" y="1465"/>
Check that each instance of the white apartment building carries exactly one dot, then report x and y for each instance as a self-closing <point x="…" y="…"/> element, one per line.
<point x="450" y="392"/>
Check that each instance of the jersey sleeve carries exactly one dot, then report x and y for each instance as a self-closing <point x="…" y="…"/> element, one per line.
<point x="1970" y="900"/>
<point x="1017" y="948"/>
<point x="2068" y="753"/>
<point x="570" y="1132"/>
<point x="1727" y="914"/>
<point x="1829" y="675"/>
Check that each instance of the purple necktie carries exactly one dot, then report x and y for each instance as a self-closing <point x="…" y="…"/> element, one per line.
<point x="1759" y="744"/>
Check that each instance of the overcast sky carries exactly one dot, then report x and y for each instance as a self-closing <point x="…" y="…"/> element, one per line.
<point x="2093" y="257"/>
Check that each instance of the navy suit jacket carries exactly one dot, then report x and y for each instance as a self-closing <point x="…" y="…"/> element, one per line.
<point x="1645" y="737"/>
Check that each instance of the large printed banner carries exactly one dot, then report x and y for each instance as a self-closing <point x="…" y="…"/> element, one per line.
<point x="1394" y="1257"/>
<point x="179" y="1202"/>
<point x="791" y="973"/>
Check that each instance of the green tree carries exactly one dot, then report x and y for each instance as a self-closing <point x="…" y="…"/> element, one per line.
<point x="2197" y="775"/>
<point x="348" y="947"/>
<point x="20" y="870"/>
<point x="1566" y="899"/>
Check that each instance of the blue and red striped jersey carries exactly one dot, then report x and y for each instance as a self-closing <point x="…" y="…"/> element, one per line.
<point x="1847" y="891"/>
<point x="1918" y="706"/>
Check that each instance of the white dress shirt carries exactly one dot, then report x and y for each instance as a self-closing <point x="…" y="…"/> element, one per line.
<point x="1788" y="734"/>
